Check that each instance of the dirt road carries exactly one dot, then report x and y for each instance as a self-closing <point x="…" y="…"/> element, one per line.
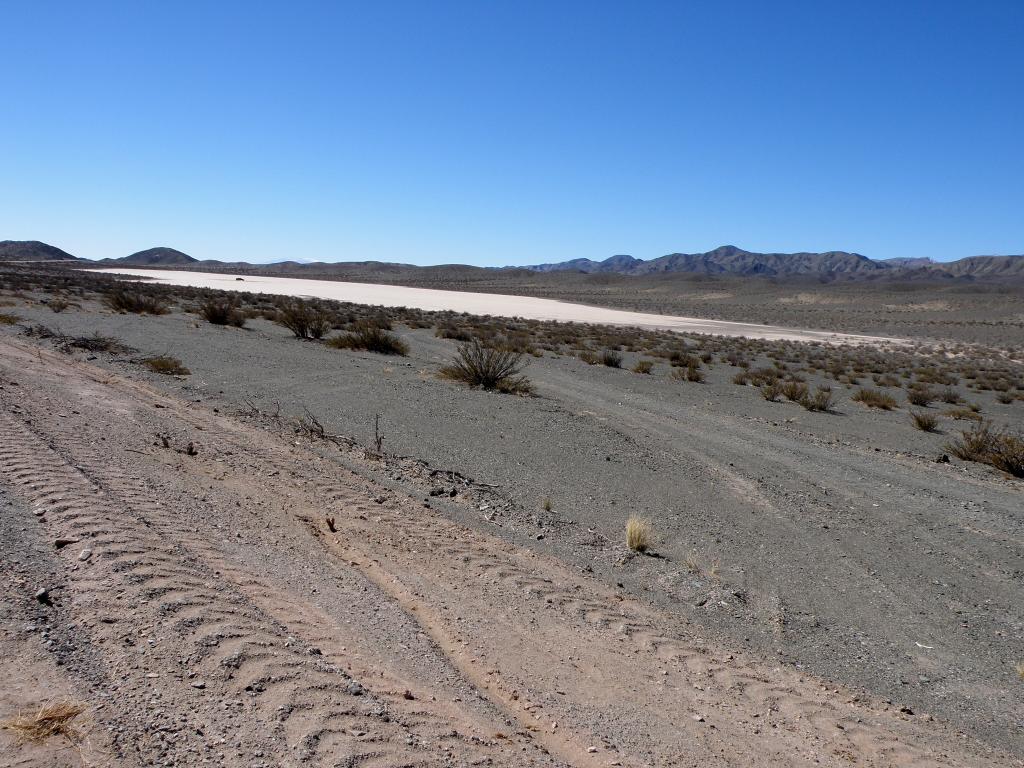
<point x="201" y="608"/>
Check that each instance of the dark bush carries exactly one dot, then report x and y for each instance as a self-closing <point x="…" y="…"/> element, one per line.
<point x="222" y="312"/>
<point x="371" y="338"/>
<point x="490" y="368"/>
<point x="303" y="318"/>
<point x="124" y="301"/>
<point x="611" y="358"/>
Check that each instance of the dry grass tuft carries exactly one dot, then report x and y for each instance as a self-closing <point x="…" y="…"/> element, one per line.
<point x="638" y="534"/>
<point x="6" y="319"/>
<point x="167" y="365"/>
<point x="643" y="366"/>
<point x="51" y="720"/>
<point x="926" y="422"/>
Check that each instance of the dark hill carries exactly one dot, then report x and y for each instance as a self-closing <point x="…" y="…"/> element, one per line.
<point x="157" y="256"/>
<point x="31" y="250"/>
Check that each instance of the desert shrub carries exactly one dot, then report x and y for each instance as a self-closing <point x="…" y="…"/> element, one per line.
<point x="771" y="391"/>
<point x="453" y="333"/>
<point x="8" y="319"/>
<point x="638" y="534"/>
<point x="303" y="318"/>
<point x="794" y="391"/>
<point x="489" y="367"/>
<point x="97" y="343"/>
<point x="921" y="396"/>
<point x="222" y="312"/>
<point x="124" y="301"/>
<point x="821" y="400"/>
<point x="589" y="357"/>
<point x="58" y="305"/>
<point x="167" y="365"/>
<point x="643" y="366"/>
<point x="742" y="378"/>
<point x="951" y="396"/>
<point x="1007" y="454"/>
<point x="926" y="422"/>
<point x="1006" y="398"/>
<point x="873" y="398"/>
<point x="689" y="373"/>
<point x="974" y="444"/>
<point x="371" y="338"/>
<point x="611" y="358"/>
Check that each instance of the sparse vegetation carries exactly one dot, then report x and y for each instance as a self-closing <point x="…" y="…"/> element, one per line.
<point x="643" y="366"/>
<point x="9" y="319"/>
<point x="638" y="534"/>
<point x="167" y="365"/>
<point x="489" y="367"/>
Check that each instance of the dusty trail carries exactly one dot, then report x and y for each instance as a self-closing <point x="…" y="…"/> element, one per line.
<point x="231" y="626"/>
<point x="849" y="513"/>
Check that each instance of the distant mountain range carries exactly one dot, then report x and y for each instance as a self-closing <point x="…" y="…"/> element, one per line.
<point x="730" y="260"/>
<point x="725" y="260"/>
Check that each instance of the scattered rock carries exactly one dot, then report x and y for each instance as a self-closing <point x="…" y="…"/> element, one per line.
<point x="64" y="542"/>
<point x="85" y="554"/>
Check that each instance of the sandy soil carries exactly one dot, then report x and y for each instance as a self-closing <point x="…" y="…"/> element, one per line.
<point x="218" y="619"/>
<point x="864" y="609"/>
<point x="481" y="304"/>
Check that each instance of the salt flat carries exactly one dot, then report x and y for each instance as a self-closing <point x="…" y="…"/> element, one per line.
<point x="527" y="307"/>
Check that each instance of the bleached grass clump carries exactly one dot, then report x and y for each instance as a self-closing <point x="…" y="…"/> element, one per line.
<point x="50" y="720"/>
<point x="638" y="534"/>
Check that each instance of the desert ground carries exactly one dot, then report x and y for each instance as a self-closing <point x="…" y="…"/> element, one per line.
<point x="289" y="554"/>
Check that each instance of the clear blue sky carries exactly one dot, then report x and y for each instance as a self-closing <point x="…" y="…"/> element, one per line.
<point x="518" y="132"/>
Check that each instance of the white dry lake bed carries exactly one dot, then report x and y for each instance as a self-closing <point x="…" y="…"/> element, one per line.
<point x="494" y="304"/>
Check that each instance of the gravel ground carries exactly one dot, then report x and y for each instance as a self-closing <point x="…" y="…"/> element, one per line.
<point x="828" y="542"/>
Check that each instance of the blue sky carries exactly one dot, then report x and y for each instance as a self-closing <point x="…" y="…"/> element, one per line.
<point x="512" y="133"/>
